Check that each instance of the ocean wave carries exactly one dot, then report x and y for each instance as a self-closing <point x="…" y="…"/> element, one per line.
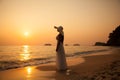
<point x="90" y="52"/>
<point x="86" y="52"/>
<point x="5" y="65"/>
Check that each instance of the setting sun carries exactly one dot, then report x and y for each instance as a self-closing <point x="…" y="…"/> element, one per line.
<point x="26" y="33"/>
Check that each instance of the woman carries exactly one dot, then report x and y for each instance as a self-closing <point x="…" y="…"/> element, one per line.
<point x="61" y="59"/>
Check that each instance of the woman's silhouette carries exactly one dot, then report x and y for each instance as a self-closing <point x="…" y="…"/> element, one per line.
<point x="60" y="56"/>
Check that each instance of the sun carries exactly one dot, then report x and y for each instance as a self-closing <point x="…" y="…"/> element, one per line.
<point x="26" y="33"/>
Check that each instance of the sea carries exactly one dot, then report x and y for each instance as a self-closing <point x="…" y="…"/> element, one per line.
<point x="21" y="56"/>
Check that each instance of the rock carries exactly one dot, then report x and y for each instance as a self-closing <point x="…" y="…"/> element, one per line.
<point x="76" y="44"/>
<point x="66" y="45"/>
<point x="48" y="44"/>
<point x="100" y="44"/>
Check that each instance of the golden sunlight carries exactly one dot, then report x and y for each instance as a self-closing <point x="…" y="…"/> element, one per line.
<point x="26" y="33"/>
<point x="29" y="71"/>
<point x="25" y="55"/>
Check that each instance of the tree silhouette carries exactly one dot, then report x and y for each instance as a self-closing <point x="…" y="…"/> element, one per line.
<point x="114" y="37"/>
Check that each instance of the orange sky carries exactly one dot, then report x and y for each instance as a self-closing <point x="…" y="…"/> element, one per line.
<point x="84" y="21"/>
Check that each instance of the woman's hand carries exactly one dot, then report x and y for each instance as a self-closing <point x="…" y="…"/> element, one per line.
<point x="55" y="27"/>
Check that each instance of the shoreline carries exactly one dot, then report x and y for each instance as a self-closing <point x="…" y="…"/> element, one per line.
<point x="79" y="68"/>
<point x="7" y="65"/>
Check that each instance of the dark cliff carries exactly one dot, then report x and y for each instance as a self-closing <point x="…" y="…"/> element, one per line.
<point x="114" y="37"/>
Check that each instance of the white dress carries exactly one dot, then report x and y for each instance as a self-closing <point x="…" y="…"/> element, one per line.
<point x="60" y="55"/>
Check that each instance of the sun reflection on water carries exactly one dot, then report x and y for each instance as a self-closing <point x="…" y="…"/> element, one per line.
<point x="29" y="71"/>
<point x="25" y="55"/>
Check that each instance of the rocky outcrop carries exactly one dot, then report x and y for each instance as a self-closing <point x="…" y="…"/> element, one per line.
<point x="48" y="44"/>
<point x="114" y="37"/>
<point x="100" y="44"/>
<point x="66" y="45"/>
<point x="76" y="44"/>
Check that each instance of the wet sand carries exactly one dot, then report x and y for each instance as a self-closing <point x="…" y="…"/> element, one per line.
<point x="98" y="66"/>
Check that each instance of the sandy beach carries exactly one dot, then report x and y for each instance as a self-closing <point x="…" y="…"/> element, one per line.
<point x="98" y="66"/>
